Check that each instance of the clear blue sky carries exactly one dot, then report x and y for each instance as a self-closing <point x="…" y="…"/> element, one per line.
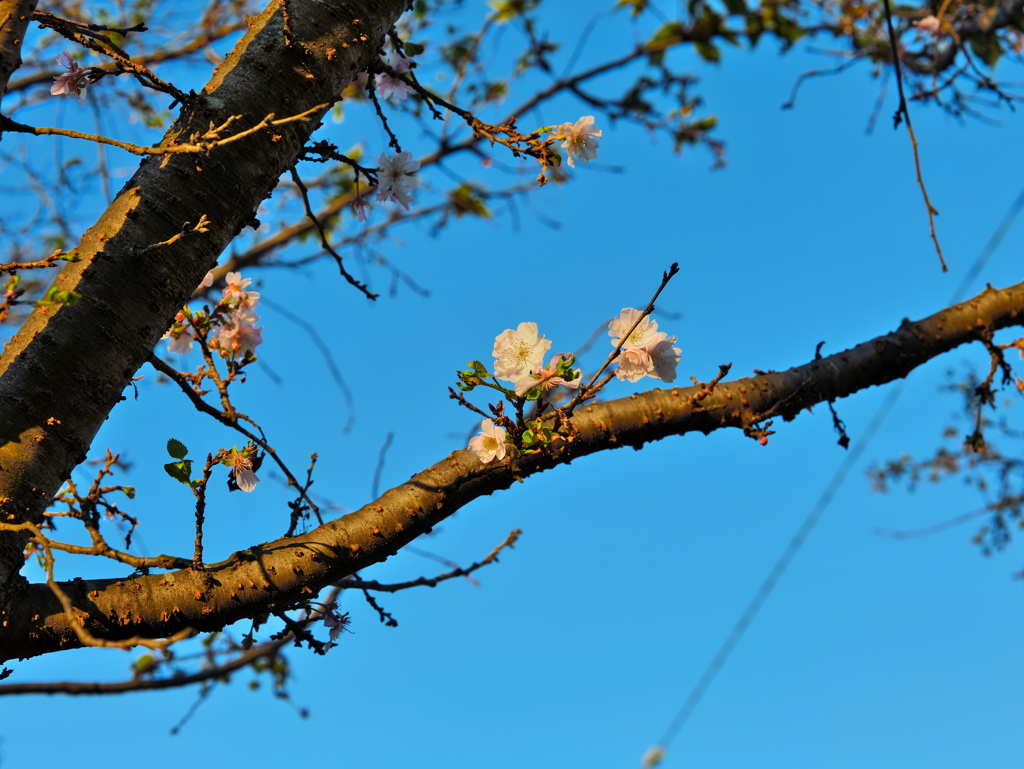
<point x="580" y="646"/>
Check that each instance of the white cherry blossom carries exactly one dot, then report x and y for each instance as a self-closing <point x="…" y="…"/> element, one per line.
<point x="643" y="335"/>
<point x="395" y="178"/>
<point x="519" y="352"/>
<point x="580" y="139"/>
<point x="490" y="443"/>
<point x="665" y="358"/>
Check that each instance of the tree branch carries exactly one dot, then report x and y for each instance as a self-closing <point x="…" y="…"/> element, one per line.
<point x="67" y="366"/>
<point x="279" y="574"/>
<point x="15" y="16"/>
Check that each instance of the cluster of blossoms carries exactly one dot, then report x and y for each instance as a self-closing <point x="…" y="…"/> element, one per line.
<point x="519" y="358"/>
<point x="394" y="88"/>
<point x="72" y="82"/>
<point x="235" y="321"/>
<point x="646" y="351"/>
<point x="395" y="179"/>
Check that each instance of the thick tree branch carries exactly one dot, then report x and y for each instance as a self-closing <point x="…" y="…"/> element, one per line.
<point x="15" y="16"/>
<point x="275" y="575"/>
<point x="67" y="366"/>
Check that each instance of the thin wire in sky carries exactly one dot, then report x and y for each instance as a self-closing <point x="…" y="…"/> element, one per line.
<point x="769" y="583"/>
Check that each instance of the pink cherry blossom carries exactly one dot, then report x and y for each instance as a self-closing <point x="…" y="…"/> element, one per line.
<point x="394" y="88"/>
<point x="929" y="24"/>
<point x="238" y="334"/>
<point x="645" y="351"/>
<point x="71" y="82"/>
<point x="634" y="363"/>
<point x="580" y="139"/>
<point x="490" y="443"/>
<point x="547" y="375"/>
<point x="241" y="466"/>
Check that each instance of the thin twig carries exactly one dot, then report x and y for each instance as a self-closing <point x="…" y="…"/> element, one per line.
<point x="510" y="541"/>
<point x="902" y="110"/>
<point x="197" y="142"/>
<point x="323" y="237"/>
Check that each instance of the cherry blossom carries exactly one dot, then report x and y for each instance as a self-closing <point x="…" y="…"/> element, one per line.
<point x="929" y="24"/>
<point x="394" y="179"/>
<point x="235" y="291"/>
<point x="547" y="377"/>
<point x="634" y="363"/>
<point x="238" y="334"/>
<point x="394" y="88"/>
<point x="580" y="139"/>
<point x="664" y="358"/>
<point x="241" y="466"/>
<point x="360" y="208"/>
<point x="336" y="623"/>
<point x="519" y="352"/>
<point x="490" y="443"/>
<point x="646" y="351"/>
<point x="71" y="82"/>
<point x="642" y="335"/>
<point x="181" y="340"/>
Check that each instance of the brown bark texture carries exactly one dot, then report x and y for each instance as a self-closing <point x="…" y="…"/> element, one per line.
<point x="15" y="16"/>
<point x="275" y="575"/>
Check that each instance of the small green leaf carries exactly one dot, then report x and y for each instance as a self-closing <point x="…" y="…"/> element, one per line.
<point x="636" y="7"/>
<point x="986" y="48"/>
<point x="707" y="51"/>
<point x="180" y="471"/>
<point x="413" y="49"/>
<point x="176" y="449"/>
<point x="668" y="35"/>
<point x="58" y="296"/>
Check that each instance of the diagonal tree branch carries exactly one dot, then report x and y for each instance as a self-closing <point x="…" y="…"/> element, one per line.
<point x="276" y="575"/>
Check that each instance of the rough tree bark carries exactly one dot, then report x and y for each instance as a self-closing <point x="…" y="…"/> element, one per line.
<point x="15" y="16"/>
<point x="277" y="574"/>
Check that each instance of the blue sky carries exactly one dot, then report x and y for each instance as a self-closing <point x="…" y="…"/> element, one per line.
<point x="578" y="648"/>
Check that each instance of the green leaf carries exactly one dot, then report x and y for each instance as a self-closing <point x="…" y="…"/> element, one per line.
<point x="176" y="449"/>
<point x="180" y="471"/>
<point x="58" y="296"/>
<point x="986" y="48"/>
<point x="668" y="35"/>
<point x="413" y="49"/>
<point x="636" y="7"/>
<point x="707" y="51"/>
<point x="144" y="663"/>
<point x="467" y="200"/>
